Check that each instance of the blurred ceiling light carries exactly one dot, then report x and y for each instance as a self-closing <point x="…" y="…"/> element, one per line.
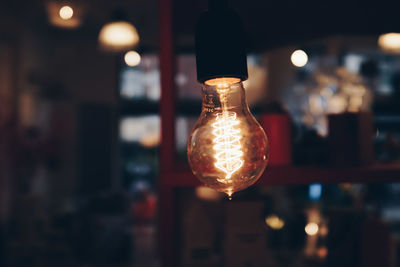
<point x="390" y="42"/>
<point x="118" y="36"/>
<point x="132" y="58"/>
<point x="275" y="222"/>
<point x="65" y="16"/>
<point x="311" y="228"/>
<point x="299" y="58"/>
<point x="66" y="12"/>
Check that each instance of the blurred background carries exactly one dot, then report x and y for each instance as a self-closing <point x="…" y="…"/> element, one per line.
<point x="88" y="89"/>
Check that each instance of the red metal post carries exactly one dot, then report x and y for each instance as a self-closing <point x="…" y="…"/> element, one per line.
<point x="167" y="149"/>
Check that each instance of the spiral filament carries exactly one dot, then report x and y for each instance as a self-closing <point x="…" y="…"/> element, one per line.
<point x="227" y="144"/>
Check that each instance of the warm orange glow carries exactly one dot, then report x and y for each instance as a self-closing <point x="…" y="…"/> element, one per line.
<point x="222" y="82"/>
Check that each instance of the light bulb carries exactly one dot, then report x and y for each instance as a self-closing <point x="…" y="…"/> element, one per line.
<point x="227" y="148"/>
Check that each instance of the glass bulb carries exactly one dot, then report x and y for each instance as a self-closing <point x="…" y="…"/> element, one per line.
<point x="227" y="148"/>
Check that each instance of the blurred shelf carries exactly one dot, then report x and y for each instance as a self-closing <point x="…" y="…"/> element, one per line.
<point x="285" y="175"/>
<point x="387" y="122"/>
<point x="138" y="107"/>
<point x="189" y="107"/>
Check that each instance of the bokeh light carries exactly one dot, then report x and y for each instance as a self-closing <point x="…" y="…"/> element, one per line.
<point x="389" y="42"/>
<point x="322" y="252"/>
<point x="299" y="58"/>
<point x="323" y="230"/>
<point x="132" y="58"/>
<point x="311" y="228"/>
<point x="66" y="12"/>
<point x="274" y="222"/>
<point x="118" y="36"/>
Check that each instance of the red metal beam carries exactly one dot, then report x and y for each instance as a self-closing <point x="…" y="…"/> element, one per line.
<point x="167" y="147"/>
<point x="291" y="175"/>
<point x="167" y="71"/>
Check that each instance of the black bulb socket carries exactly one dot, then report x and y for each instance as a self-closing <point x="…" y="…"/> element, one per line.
<point x="220" y="44"/>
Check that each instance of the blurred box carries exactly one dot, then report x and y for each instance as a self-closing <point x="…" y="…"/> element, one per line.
<point x="351" y="138"/>
<point x="245" y="242"/>
<point x="198" y="236"/>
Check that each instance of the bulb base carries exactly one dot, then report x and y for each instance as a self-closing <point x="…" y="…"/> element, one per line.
<point x="220" y="46"/>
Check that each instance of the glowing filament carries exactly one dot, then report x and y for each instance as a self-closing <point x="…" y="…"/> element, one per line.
<point x="227" y="146"/>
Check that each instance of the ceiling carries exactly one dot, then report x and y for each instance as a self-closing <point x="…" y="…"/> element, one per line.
<point x="268" y="23"/>
<point x="271" y="23"/>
